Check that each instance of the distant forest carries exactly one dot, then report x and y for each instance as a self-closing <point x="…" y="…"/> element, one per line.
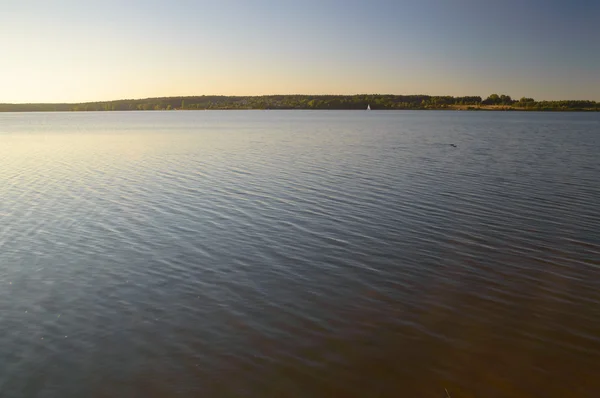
<point x="375" y="101"/>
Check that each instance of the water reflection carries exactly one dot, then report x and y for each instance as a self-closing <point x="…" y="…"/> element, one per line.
<point x="299" y="254"/>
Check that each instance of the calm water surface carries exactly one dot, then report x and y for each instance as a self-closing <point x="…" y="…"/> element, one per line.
<point x="299" y="254"/>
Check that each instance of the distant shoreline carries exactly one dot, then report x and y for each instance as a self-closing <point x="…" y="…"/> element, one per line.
<point x="496" y="108"/>
<point x="449" y="109"/>
<point x="317" y="102"/>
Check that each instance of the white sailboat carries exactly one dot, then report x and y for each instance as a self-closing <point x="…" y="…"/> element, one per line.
<point x="368" y="107"/>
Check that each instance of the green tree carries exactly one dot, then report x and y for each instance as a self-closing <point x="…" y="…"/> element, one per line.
<point x="505" y="100"/>
<point x="493" y="99"/>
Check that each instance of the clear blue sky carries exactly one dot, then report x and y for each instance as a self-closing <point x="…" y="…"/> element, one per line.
<point x="68" y="51"/>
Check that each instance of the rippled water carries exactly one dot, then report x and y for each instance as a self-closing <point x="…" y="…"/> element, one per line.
<point x="299" y="254"/>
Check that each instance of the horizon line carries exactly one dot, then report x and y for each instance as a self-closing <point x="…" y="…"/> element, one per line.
<point x="273" y="95"/>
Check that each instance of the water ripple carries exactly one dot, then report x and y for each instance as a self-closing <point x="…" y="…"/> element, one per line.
<point x="299" y="254"/>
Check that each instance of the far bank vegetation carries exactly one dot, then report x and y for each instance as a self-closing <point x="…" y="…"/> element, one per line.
<point x="375" y="101"/>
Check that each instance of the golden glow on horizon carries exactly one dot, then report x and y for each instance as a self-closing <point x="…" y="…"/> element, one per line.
<point x="59" y="81"/>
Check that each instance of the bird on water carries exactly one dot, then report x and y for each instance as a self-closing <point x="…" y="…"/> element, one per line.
<point x="453" y="145"/>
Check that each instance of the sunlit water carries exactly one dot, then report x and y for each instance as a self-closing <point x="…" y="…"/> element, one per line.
<point x="299" y="254"/>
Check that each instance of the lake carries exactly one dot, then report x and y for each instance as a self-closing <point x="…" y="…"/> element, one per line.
<point x="299" y="254"/>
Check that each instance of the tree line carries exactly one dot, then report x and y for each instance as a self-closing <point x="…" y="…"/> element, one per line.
<point x="375" y="101"/>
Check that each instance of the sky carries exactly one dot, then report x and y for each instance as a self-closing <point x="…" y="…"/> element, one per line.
<point x="76" y="51"/>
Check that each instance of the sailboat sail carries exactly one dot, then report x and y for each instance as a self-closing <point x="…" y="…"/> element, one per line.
<point x="368" y="107"/>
